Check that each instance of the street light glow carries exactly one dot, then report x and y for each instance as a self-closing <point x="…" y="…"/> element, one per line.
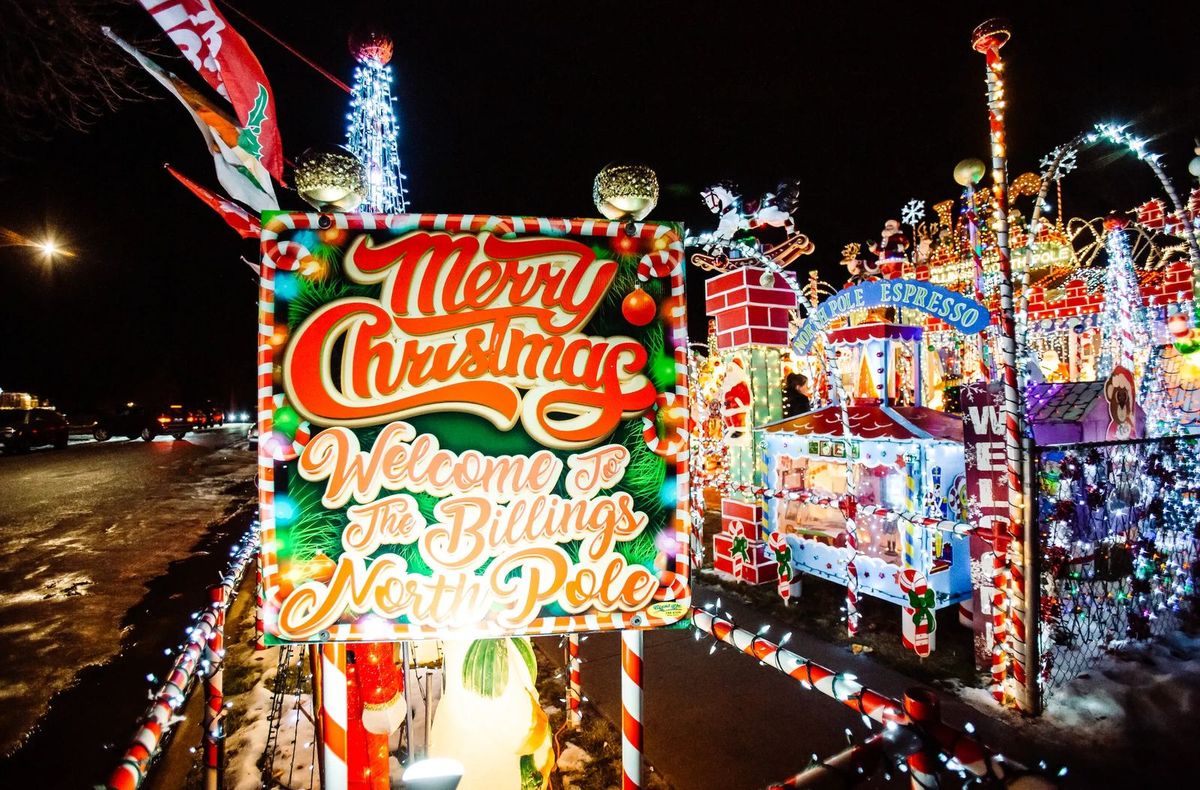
<point x="48" y="246"/>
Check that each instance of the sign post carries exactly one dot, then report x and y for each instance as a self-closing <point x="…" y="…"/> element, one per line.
<point x="471" y="428"/>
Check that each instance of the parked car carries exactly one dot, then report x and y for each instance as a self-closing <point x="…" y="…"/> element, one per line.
<point x="214" y="414"/>
<point x="177" y="420"/>
<point x="132" y="421"/>
<point x="252" y="435"/>
<point x="21" y="429"/>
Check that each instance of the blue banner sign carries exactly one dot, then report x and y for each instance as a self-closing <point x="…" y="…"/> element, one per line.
<point x="964" y="314"/>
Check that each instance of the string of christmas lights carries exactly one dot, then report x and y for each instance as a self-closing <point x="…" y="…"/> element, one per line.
<point x="191" y="662"/>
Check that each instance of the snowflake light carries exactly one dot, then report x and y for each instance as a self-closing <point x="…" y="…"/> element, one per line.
<point x="913" y="212"/>
<point x="1066" y="164"/>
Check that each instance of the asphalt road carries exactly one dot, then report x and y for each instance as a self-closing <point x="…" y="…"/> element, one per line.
<point x="717" y="719"/>
<point x="105" y="546"/>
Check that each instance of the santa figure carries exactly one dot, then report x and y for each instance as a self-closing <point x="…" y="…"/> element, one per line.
<point x="892" y="248"/>
<point x="736" y="397"/>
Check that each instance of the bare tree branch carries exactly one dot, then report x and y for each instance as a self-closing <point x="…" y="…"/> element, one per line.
<point x="58" y="70"/>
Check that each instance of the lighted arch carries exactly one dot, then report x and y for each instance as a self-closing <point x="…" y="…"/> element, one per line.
<point x="1119" y="137"/>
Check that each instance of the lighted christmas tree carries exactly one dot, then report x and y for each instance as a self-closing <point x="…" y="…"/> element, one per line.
<point x="1123" y="333"/>
<point x="372" y="132"/>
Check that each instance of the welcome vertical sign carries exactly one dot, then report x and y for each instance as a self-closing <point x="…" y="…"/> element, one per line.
<point x="987" y="503"/>
<point x="471" y="426"/>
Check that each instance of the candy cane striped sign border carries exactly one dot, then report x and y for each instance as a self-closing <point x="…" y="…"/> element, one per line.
<point x="664" y="260"/>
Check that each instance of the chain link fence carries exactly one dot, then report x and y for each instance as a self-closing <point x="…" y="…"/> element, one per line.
<point x="1118" y="523"/>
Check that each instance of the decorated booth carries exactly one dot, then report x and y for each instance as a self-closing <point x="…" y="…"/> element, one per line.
<point x="884" y="462"/>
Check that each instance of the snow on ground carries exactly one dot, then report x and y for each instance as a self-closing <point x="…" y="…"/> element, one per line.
<point x="293" y="763"/>
<point x="1140" y="694"/>
<point x="573" y="759"/>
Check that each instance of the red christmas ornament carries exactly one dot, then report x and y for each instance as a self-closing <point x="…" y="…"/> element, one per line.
<point x="638" y="307"/>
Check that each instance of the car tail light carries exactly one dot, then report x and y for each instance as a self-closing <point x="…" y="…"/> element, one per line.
<point x="164" y="420"/>
<point x="191" y="419"/>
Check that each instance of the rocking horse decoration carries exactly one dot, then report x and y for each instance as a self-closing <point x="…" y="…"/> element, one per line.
<point x="750" y="232"/>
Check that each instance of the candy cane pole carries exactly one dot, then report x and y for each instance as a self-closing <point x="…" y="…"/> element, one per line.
<point x="169" y="698"/>
<point x="214" y="696"/>
<point x="844" y="769"/>
<point x="574" y="714"/>
<point x="631" y="709"/>
<point x="987" y="39"/>
<point x="334" y="717"/>
<point x="777" y="542"/>
<point x="999" y="621"/>
<point x="960" y="747"/>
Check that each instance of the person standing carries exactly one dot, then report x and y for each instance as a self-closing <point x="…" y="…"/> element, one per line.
<point x="795" y="395"/>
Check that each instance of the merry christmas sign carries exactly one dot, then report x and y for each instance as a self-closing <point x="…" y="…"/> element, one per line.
<point x="471" y="426"/>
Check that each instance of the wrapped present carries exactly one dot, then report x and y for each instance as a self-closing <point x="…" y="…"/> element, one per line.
<point x="749" y="515"/>
<point x="754" y="566"/>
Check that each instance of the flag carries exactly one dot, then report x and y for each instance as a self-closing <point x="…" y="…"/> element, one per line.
<point x="225" y="61"/>
<point x="240" y="172"/>
<point x="234" y="215"/>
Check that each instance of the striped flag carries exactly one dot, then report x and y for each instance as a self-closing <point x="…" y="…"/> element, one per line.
<point x="225" y="61"/>
<point x="239" y="171"/>
<point x="234" y="215"/>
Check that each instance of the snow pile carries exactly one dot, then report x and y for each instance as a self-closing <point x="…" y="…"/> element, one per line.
<point x="572" y="762"/>
<point x="246" y="744"/>
<point x="1140" y="690"/>
<point x="294" y="751"/>
<point x="1141" y="696"/>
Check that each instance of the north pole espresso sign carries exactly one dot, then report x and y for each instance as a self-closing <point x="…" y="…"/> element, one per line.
<point x="471" y="426"/>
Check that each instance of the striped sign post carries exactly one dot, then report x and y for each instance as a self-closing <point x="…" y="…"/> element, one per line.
<point x="987" y="39"/>
<point x="260" y="642"/>
<point x="214" y="696"/>
<point x="631" y="709"/>
<point x="574" y="712"/>
<point x="334" y="710"/>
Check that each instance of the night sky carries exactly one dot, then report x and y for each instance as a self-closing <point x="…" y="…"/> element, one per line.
<point x="512" y="108"/>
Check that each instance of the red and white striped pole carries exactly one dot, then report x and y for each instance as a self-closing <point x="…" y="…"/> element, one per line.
<point x="631" y="710"/>
<point x="214" y="696"/>
<point x="924" y="710"/>
<point x="574" y="712"/>
<point x="987" y="39"/>
<point x="334" y="716"/>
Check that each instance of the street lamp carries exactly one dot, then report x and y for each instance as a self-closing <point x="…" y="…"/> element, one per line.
<point x="47" y="246"/>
